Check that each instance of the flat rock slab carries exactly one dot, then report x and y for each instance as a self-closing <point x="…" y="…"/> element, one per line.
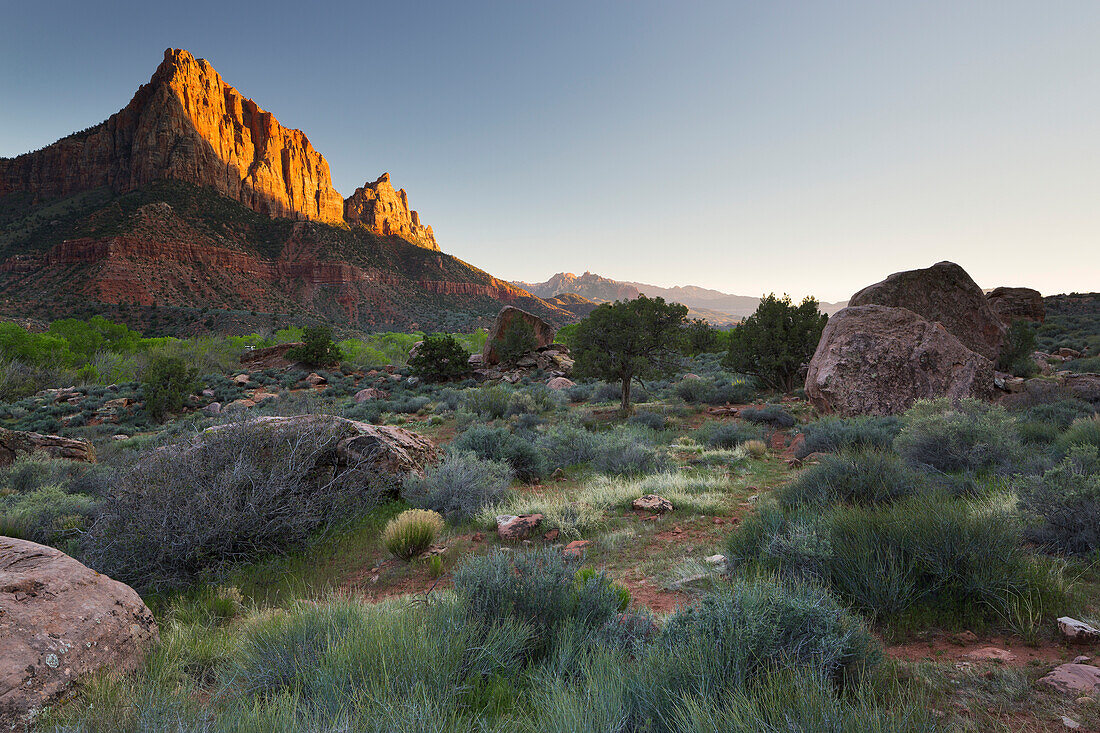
<point x="1074" y="678"/>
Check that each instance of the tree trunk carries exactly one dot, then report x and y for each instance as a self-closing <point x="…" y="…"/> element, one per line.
<point x="626" y="395"/>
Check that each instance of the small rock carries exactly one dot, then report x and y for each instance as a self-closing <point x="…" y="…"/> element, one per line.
<point x="716" y="559"/>
<point x="241" y="379"/>
<point x="316" y="379"/>
<point x="213" y="408"/>
<point x="1080" y="678"/>
<point x="477" y="537"/>
<point x="719" y="520"/>
<point x="511" y="527"/>
<point x="652" y="503"/>
<point x="1077" y="631"/>
<point x="1070" y="723"/>
<point x="412" y="381"/>
<point x="552" y="535"/>
<point x="991" y="654"/>
<point x="370" y="393"/>
<point x="560" y="383"/>
<point x="207" y="393"/>
<point x="120" y="436"/>
<point x="1082" y="660"/>
<point x="575" y="549"/>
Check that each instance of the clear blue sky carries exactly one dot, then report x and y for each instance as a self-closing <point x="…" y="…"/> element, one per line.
<point x="808" y="147"/>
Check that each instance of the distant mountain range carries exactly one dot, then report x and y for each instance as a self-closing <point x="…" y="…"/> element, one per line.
<point x="712" y="305"/>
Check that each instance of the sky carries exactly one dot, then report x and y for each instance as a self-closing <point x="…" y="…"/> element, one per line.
<point x="746" y="146"/>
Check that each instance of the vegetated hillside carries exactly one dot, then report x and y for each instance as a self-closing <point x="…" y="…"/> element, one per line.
<point x="172" y="245"/>
<point x="1072" y="320"/>
<point x="714" y="306"/>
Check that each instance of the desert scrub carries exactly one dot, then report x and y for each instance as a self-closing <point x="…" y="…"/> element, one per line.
<point x="833" y="434"/>
<point x="460" y="484"/>
<point x="731" y="434"/>
<point x="1084" y="431"/>
<point x="969" y="435"/>
<point x="773" y="415"/>
<point x="500" y="444"/>
<point x="1063" y="504"/>
<point x="855" y="477"/>
<point x="539" y="588"/>
<point x="411" y="533"/>
<point x="924" y="554"/>
<point x="225" y="496"/>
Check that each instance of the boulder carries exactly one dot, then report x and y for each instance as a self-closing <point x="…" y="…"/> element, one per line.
<point x="1067" y="353"/>
<point x="544" y="332"/>
<point x="946" y="294"/>
<point x="652" y="503"/>
<point x="59" y="623"/>
<point x="241" y="380"/>
<point x="1084" y="385"/>
<point x="387" y="447"/>
<point x="15" y="443"/>
<point x="1073" y="678"/>
<point x="879" y="360"/>
<point x="237" y="405"/>
<point x="214" y="408"/>
<point x="1077" y="631"/>
<point x="1017" y="304"/>
<point x="511" y="527"/>
<point x="560" y="383"/>
<point x="315" y="380"/>
<point x="370" y="393"/>
<point x="272" y="357"/>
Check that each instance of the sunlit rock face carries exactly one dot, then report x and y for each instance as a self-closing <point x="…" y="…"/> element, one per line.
<point x="379" y="208"/>
<point x="187" y="124"/>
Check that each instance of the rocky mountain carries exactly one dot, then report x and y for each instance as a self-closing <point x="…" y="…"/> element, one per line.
<point x="194" y="198"/>
<point x="713" y="306"/>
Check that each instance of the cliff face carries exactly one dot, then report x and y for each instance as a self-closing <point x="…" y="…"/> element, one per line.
<point x="377" y="207"/>
<point x="187" y="124"/>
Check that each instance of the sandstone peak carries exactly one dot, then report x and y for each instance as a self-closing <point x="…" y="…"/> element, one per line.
<point x="378" y="207"/>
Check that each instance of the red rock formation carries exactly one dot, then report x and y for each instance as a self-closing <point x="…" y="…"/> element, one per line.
<point x="377" y="207"/>
<point x="187" y="124"/>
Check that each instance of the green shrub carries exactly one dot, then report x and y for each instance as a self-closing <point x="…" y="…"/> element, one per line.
<point x="652" y="420"/>
<point x="440" y="358"/>
<point x="1084" y="431"/>
<point x="1065" y="504"/>
<point x="167" y="382"/>
<point x="853" y="477"/>
<point x="750" y="626"/>
<point x="924" y="553"/>
<point x="834" y="434"/>
<point x="540" y="588"/>
<point x="1019" y="345"/>
<point x="773" y="415"/>
<point x="966" y="436"/>
<point x="461" y="483"/>
<point x="498" y="444"/>
<point x="518" y="339"/>
<point x="1060" y="413"/>
<point x="776" y="340"/>
<point x="317" y="349"/>
<point x="732" y="434"/>
<point x="411" y="532"/>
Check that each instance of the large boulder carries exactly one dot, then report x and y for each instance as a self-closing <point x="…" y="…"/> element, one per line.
<point x="544" y="332"/>
<point x="387" y="448"/>
<point x="15" y="443"/>
<point x="943" y="293"/>
<point x="878" y="360"/>
<point x="61" y="622"/>
<point x="1017" y="304"/>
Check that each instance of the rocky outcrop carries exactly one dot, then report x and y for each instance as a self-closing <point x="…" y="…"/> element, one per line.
<point x="61" y="622"/>
<point x="187" y="124"/>
<point x="1017" y="304"/>
<point x="380" y="209"/>
<point x="16" y="443"/>
<point x="1078" y="679"/>
<point x="543" y="332"/>
<point x="271" y="357"/>
<point x="944" y="293"/>
<point x="879" y="360"/>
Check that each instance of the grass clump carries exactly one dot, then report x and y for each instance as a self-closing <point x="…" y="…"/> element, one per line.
<point x="834" y="434"/>
<point x="411" y="532"/>
<point x="500" y="444"/>
<point x="853" y="477"/>
<point x="773" y="415"/>
<point x="1084" y="431"/>
<point x="732" y="434"/>
<point x="461" y="484"/>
